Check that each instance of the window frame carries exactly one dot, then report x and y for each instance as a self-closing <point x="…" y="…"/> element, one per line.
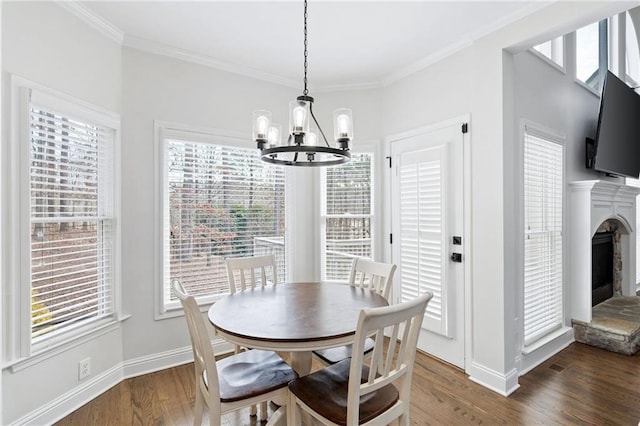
<point x="551" y="136"/>
<point x="604" y="53"/>
<point x="164" y="131"/>
<point x="557" y="41"/>
<point x="360" y="148"/>
<point x="20" y="350"/>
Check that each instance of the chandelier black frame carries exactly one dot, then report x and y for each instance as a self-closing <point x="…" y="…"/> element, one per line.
<point x="301" y="149"/>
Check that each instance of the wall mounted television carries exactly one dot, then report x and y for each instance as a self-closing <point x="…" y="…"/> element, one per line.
<point x="616" y="147"/>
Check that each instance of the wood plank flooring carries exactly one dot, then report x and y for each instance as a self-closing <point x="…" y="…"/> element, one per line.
<point x="582" y="385"/>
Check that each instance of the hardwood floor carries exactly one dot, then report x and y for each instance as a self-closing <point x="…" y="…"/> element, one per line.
<point x="581" y="385"/>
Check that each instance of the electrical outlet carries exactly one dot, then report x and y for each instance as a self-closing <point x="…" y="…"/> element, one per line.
<point x="84" y="368"/>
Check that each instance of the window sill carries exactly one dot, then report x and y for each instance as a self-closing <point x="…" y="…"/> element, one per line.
<point x="587" y="88"/>
<point x="64" y="345"/>
<point x="545" y="340"/>
<point x="548" y="61"/>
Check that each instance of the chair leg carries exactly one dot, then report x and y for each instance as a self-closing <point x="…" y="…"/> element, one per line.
<point x="254" y="410"/>
<point x="292" y="411"/>
<point x="199" y="407"/>
<point x="263" y="411"/>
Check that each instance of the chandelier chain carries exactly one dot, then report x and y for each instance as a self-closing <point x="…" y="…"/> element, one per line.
<point x="306" y="53"/>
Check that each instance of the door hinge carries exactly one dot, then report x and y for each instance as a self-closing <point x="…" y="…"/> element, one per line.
<point x="465" y="127"/>
<point x="390" y="238"/>
<point x="389" y="158"/>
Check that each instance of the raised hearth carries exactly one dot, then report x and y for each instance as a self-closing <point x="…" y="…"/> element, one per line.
<point x="615" y="325"/>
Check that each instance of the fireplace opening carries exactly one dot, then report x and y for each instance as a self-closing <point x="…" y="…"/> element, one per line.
<point x="601" y="267"/>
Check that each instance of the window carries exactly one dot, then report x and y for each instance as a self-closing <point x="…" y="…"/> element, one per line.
<point x="347" y="213"/>
<point x="219" y="201"/>
<point x="71" y="229"/>
<point x="543" y="203"/>
<point x="592" y="57"/>
<point x="632" y="57"/>
<point x="552" y="50"/>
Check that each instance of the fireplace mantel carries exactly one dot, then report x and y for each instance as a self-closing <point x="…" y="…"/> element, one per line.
<point x="593" y="202"/>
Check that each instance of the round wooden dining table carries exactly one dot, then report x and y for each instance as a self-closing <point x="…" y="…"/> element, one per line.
<point x="295" y="317"/>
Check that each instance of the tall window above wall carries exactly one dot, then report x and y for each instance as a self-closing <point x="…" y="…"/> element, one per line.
<point x="592" y="55"/>
<point x="347" y="215"/>
<point x="553" y="50"/>
<point x="632" y="49"/>
<point x="218" y="201"/>
<point x="543" y="247"/>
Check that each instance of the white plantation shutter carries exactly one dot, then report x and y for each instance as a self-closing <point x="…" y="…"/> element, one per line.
<point x="220" y="201"/>
<point x="543" y="200"/>
<point x="71" y="222"/>
<point x="422" y="180"/>
<point x="347" y="215"/>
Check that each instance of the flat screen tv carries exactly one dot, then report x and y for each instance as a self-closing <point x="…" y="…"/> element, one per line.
<point x="616" y="148"/>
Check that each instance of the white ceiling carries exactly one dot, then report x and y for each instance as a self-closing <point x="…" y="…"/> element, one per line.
<point x="351" y="43"/>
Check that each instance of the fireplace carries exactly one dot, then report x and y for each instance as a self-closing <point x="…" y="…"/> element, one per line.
<point x="599" y="207"/>
<point x="602" y="247"/>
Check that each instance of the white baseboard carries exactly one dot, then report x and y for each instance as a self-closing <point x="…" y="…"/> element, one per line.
<point x="74" y="399"/>
<point x="85" y="392"/>
<point x="504" y="384"/>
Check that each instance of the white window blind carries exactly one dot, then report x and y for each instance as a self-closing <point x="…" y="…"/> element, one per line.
<point x="347" y="215"/>
<point x="71" y="222"/>
<point x="543" y="199"/>
<point x="221" y="201"/>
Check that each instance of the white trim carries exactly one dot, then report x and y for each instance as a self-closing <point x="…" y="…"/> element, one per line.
<point x="70" y="401"/>
<point x="553" y="64"/>
<point x="194" y="58"/>
<point x="96" y="22"/>
<point x="504" y="384"/>
<point x="425" y="62"/>
<point x="63" y="346"/>
<point x="586" y="87"/>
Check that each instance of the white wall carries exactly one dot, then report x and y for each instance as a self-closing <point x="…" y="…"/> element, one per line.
<point x="44" y="43"/>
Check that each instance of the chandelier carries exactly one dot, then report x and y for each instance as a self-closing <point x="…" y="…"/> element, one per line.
<point x="302" y="147"/>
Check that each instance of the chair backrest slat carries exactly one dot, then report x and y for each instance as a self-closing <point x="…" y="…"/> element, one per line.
<point x="375" y="276"/>
<point x="253" y="267"/>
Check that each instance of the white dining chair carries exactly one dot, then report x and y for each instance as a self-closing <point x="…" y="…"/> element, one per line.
<point x="249" y="272"/>
<point x="240" y="380"/>
<point x="370" y="275"/>
<point x="349" y="392"/>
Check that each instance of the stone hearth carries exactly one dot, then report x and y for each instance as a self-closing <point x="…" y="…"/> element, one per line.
<point x="615" y="325"/>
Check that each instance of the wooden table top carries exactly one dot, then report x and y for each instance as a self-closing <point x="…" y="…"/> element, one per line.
<point x="296" y="312"/>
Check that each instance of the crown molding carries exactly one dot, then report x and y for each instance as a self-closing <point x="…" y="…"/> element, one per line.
<point x="463" y="44"/>
<point x="96" y="22"/>
<point x="185" y="55"/>
<point x="426" y="62"/>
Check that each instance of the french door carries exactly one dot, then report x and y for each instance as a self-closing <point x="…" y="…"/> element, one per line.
<point x="427" y="227"/>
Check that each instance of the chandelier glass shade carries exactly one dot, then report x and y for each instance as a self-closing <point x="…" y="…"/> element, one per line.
<point x="303" y="145"/>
